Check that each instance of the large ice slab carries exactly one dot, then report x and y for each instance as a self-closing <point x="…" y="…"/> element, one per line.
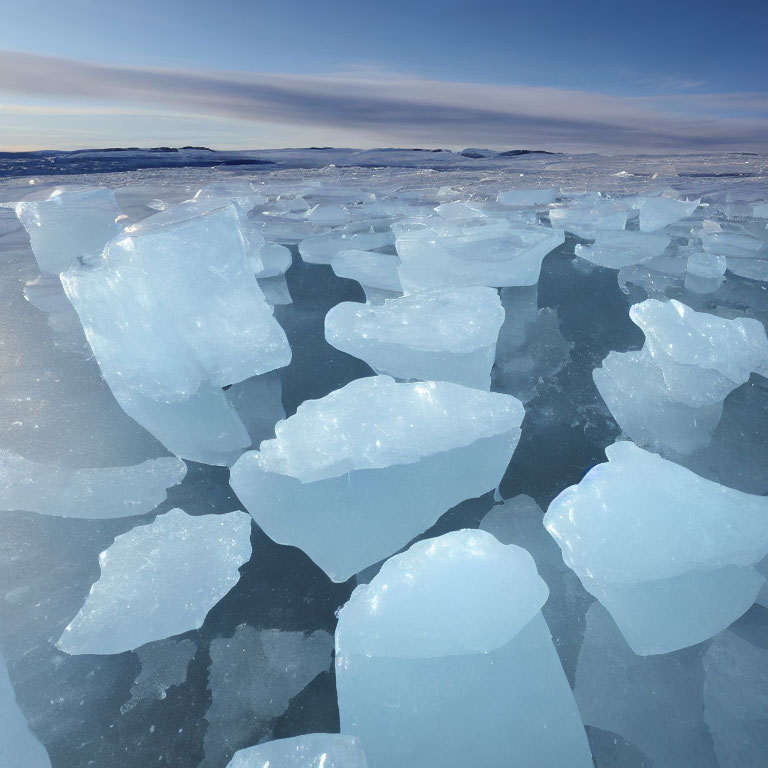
<point x="18" y="746"/>
<point x="70" y="224"/>
<point x="354" y="476"/>
<point x="725" y="352"/>
<point x="658" y="212"/>
<point x="370" y="268"/>
<point x="736" y="700"/>
<point x="444" y="335"/>
<point x="655" y="702"/>
<point x="668" y="553"/>
<point x="90" y="493"/>
<point x="704" y="272"/>
<point x="669" y="395"/>
<point x="622" y="248"/>
<point x="173" y="314"/>
<point x="321" y="249"/>
<point x="252" y="678"/>
<point x="430" y="670"/>
<point x="436" y="253"/>
<point x="159" y="580"/>
<point x="746" y="255"/>
<point x="586" y="222"/>
<point x="313" y="750"/>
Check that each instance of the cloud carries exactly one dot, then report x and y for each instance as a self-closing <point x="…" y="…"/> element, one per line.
<point x="408" y="109"/>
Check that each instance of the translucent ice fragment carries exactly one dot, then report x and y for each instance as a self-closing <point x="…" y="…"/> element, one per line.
<point x="329" y="750"/>
<point x="97" y="493"/>
<point x="159" y="580"/>
<point x="668" y="553"/>
<point x="328" y="214"/>
<point x="71" y="223"/>
<point x="321" y="249"/>
<point x="704" y="272"/>
<point x="431" y="670"/>
<point x="622" y="248"/>
<point x="443" y="335"/>
<point x="724" y="352"/>
<point x="657" y="212"/>
<point x="587" y="222"/>
<point x="354" y="476"/>
<point x="496" y="253"/>
<point x="173" y="314"/>
<point x="669" y="395"/>
<point x="369" y="268"/>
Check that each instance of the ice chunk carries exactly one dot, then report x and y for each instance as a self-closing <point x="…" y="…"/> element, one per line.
<point x="163" y="665"/>
<point x="747" y="256"/>
<point x="354" y="476"/>
<point x="704" y="272"/>
<point x="321" y="249"/>
<point x="159" y="580"/>
<point x="444" y="335"/>
<point x="330" y="215"/>
<point x="526" y="197"/>
<point x="658" y="212"/>
<point x="46" y="293"/>
<point x="736" y="700"/>
<point x="275" y="260"/>
<point x="370" y="269"/>
<point x="438" y="254"/>
<point x="667" y="552"/>
<point x="18" y="746"/>
<point x="622" y="248"/>
<point x="313" y="750"/>
<point x="429" y="671"/>
<point x="252" y="678"/>
<point x="71" y="223"/>
<point x="635" y="391"/>
<point x="655" y="703"/>
<point x="753" y="269"/>
<point x="669" y="395"/>
<point x="91" y="493"/>
<point x="723" y="351"/>
<point x="275" y="290"/>
<point x="240" y="199"/>
<point x="587" y="222"/>
<point x="173" y="313"/>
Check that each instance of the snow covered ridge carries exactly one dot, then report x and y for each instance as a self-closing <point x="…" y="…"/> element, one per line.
<point x="277" y="444"/>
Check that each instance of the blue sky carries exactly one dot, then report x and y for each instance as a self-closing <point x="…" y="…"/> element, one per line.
<point x="609" y="76"/>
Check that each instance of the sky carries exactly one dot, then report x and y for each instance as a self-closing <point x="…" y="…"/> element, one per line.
<point x="246" y="74"/>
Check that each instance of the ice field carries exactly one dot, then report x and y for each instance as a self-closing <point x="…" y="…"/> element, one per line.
<point x="387" y="459"/>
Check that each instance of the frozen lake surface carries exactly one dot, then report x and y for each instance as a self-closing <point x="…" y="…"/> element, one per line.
<point x="518" y="315"/>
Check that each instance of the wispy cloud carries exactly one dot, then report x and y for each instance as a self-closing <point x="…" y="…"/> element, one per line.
<point x="407" y="109"/>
